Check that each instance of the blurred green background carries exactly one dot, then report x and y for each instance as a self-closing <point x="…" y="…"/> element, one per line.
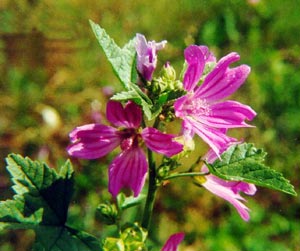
<point x="54" y="76"/>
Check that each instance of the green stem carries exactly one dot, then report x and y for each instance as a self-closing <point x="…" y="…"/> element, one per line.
<point x="191" y="174"/>
<point x="152" y="188"/>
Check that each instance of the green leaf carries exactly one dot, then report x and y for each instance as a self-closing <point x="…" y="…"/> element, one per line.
<point x="134" y="96"/>
<point x="64" y="239"/>
<point x="244" y="162"/>
<point x="126" y="95"/>
<point x="42" y="195"/>
<point x="122" y="60"/>
<point x="144" y="101"/>
<point x="41" y="203"/>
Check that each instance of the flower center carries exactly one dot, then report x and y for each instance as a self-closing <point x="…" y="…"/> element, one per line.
<point x="129" y="138"/>
<point x="194" y="106"/>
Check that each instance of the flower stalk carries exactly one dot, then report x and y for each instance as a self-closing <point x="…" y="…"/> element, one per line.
<point x="152" y="189"/>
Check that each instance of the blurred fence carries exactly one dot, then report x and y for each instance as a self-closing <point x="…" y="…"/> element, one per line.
<point x="34" y="50"/>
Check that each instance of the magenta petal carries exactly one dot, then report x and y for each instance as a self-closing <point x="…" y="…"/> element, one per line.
<point x="217" y="74"/>
<point x="147" y="55"/>
<point x="228" y="190"/>
<point x="141" y="44"/>
<point x="216" y="139"/>
<point x="208" y="55"/>
<point x="173" y="242"/>
<point x="222" y="85"/>
<point x="129" y="117"/>
<point x="249" y="189"/>
<point x="179" y="106"/>
<point x="196" y="63"/>
<point x="228" y="194"/>
<point x="228" y="114"/>
<point x="128" y="170"/>
<point x="161" y="142"/>
<point x="93" y="141"/>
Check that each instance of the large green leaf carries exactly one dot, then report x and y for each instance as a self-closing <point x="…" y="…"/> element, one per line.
<point x="244" y="162"/>
<point x="41" y="203"/>
<point x="64" y="239"/>
<point x="121" y="59"/>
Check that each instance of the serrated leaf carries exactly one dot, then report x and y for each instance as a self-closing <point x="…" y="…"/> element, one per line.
<point x="244" y="162"/>
<point x="134" y="96"/>
<point x="122" y="60"/>
<point x="41" y="203"/>
<point x="64" y="239"/>
<point x="42" y="195"/>
<point x="126" y="95"/>
<point x="144" y="101"/>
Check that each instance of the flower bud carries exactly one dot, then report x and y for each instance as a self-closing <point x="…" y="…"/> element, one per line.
<point x="107" y="213"/>
<point x="168" y="72"/>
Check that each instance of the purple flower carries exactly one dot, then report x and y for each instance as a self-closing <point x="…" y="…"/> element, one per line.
<point x="202" y="109"/>
<point x="173" y="242"/>
<point x="228" y="190"/>
<point x="129" y="168"/>
<point x="146" y="55"/>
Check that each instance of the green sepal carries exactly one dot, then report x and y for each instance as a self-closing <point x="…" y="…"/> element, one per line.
<point x="127" y="202"/>
<point x="132" y="238"/>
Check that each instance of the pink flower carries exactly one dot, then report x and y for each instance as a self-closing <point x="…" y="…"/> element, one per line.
<point x="228" y="190"/>
<point x="202" y="109"/>
<point x="129" y="168"/>
<point x="146" y="55"/>
<point x="173" y="242"/>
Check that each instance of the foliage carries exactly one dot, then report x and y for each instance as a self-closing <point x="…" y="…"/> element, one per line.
<point x="264" y="33"/>
<point x="245" y="163"/>
<point x="41" y="203"/>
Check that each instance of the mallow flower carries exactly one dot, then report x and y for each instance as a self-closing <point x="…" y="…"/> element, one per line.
<point x="173" y="242"/>
<point x="129" y="168"/>
<point x="147" y="55"/>
<point x="228" y="190"/>
<point x="203" y="108"/>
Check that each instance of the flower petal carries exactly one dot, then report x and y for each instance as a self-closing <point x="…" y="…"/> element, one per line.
<point x="228" y="114"/>
<point x="208" y="55"/>
<point x="223" y="85"/>
<point x="173" y="242"/>
<point x="161" y="142"/>
<point x="196" y="63"/>
<point x="216" y="139"/>
<point x="129" y="117"/>
<point x="128" y="170"/>
<point x="92" y="141"/>
<point x="221" y="76"/>
<point x="179" y="106"/>
<point x="228" y="194"/>
<point x="228" y="190"/>
<point x="146" y="55"/>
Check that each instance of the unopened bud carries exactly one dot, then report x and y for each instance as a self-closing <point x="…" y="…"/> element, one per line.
<point x="168" y="72"/>
<point x="107" y="213"/>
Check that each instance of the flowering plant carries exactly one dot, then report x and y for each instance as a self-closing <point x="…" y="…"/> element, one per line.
<point x="149" y="155"/>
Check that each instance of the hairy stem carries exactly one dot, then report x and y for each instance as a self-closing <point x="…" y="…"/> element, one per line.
<point x="152" y="188"/>
<point x="190" y="174"/>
